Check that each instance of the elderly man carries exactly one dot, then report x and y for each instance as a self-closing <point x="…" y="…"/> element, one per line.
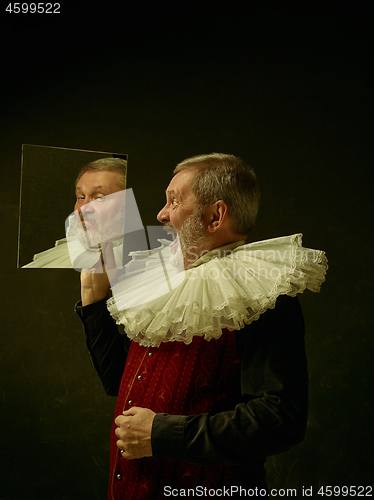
<point x="221" y="382"/>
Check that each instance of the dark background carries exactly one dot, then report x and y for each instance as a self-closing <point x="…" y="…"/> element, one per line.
<point x="286" y="86"/>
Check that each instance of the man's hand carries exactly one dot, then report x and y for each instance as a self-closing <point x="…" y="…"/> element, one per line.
<point x="96" y="282"/>
<point x="134" y="432"/>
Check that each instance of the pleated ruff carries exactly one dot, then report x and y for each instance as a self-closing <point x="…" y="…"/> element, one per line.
<point x="163" y="304"/>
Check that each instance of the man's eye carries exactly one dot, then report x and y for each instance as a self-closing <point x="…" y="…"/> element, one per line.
<point x="100" y="198"/>
<point x="174" y="202"/>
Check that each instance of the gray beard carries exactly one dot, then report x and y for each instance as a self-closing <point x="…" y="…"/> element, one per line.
<point x="111" y="232"/>
<point x="192" y="237"/>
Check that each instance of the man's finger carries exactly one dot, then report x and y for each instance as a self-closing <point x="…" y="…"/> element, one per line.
<point x="120" y="420"/>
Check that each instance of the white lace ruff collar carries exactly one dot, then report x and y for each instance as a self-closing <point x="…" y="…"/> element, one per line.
<point x="224" y="291"/>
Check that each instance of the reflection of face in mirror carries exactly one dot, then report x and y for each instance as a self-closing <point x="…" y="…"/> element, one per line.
<point x="99" y="208"/>
<point x="98" y="218"/>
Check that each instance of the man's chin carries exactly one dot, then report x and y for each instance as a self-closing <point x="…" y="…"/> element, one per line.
<point x="89" y="245"/>
<point x="86" y="241"/>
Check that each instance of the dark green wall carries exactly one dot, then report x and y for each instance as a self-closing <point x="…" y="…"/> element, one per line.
<point x="286" y="86"/>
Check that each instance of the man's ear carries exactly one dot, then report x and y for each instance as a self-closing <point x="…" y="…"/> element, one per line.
<point x="216" y="215"/>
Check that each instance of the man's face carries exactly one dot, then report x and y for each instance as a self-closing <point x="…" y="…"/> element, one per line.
<point x="180" y="200"/>
<point x="99" y="209"/>
<point x="182" y="213"/>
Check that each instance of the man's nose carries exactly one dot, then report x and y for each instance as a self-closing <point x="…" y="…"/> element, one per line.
<point x="163" y="215"/>
<point x="87" y="207"/>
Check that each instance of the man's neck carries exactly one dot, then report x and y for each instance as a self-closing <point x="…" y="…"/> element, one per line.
<point x="220" y="251"/>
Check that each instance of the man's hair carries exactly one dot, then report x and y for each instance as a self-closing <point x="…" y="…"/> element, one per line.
<point x="225" y="177"/>
<point x="111" y="164"/>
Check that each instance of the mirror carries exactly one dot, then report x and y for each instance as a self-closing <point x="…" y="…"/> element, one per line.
<point x="47" y="200"/>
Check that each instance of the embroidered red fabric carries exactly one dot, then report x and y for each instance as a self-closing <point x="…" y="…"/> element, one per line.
<point x="177" y="379"/>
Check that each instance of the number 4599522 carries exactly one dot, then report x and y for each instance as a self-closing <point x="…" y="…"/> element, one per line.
<point x="33" y="8"/>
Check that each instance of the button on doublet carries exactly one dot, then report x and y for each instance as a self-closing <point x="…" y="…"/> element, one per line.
<point x="118" y="476"/>
<point x="130" y="402"/>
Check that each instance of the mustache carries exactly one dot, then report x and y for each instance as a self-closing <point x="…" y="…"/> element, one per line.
<point x="168" y="227"/>
<point x="87" y="218"/>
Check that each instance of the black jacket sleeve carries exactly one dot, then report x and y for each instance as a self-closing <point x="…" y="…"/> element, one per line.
<point x="273" y="412"/>
<point x="107" y="347"/>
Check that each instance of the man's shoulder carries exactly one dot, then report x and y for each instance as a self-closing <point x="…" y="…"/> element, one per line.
<point x="286" y="316"/>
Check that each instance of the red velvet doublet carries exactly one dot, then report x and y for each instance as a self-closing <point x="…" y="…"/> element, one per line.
<point x="177" y="379"/>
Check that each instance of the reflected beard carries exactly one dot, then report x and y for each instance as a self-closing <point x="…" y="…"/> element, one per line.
<point x="111" y="232"/>
<point x="82" y="234"/>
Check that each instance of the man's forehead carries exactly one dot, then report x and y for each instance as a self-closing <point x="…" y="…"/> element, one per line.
<point x="96" y="180"/>
<point x="180" y="183"/>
